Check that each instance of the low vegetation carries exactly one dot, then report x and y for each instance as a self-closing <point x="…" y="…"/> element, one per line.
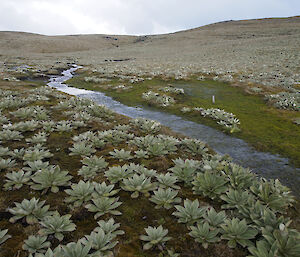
<point x="80" y="180"/>
<point x="244" y="113"/>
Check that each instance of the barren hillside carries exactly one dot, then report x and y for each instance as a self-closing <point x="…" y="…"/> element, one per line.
<point x="262" y="51"/>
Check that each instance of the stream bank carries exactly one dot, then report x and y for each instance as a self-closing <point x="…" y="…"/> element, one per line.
<point x="264" y="164"/>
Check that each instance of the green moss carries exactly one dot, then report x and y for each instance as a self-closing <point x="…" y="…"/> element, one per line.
<point x="264" y="127"/>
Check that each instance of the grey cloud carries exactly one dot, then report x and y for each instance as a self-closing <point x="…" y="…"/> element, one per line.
<point x="132" y="16"/>
<point x="21" y="16"/>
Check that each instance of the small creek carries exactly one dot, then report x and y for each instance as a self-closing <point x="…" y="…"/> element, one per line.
<point x="265" y="164"/>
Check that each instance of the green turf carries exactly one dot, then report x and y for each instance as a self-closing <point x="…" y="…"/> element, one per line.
<point x="264" y="127"/>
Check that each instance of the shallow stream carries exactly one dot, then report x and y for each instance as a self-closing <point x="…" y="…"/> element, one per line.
<point x="265" y="164"/>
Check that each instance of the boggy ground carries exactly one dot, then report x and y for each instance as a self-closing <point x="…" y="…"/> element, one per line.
<point x="137" y="214"/>
<point x="262" y="125"/>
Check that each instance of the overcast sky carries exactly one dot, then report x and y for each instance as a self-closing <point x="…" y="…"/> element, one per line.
<point x="56" y="17"/>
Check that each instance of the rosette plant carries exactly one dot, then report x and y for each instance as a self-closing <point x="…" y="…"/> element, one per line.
<point x="16" y="179"/>
<point x="204" y="234"/>
<point x="39" y="138"/>
<point x="103" y="190"/>
<point x="121" y="155"/>
<point x="57" y="225"/>
<point x="194" y="146"/>
<point x="51" y="178"/>
<point x="75" y="250"/>
<point x="209" y="184"/>
<point x="185" y="170"/>
<point x="141" y="154"/>
<point x="139" y="169"/>
<point x="80" y="193"/>
<point x="33" y="210"/>
<point x="154" y="237"/>
<point x="23" y="113"/>
<point x="167" y="180"/>
<point x="273" y="194"/>
<point x="190" y="212"/>
<point x="238" y="232"/>
<point x="36" y="165"/>
<point x="48" y="126"/>
<point x="24" y="126"/>
<point x="157" y="149"/>
<point x="263" y="249"/>
<point x="165" y="198"/>
<point x="104" y="205"/>
<point x="8" y="135"/>
<point x="36" y="154"/>
<point x="82" y="149"/>
<point x="4" y="151"/>
<point x="36" y="244"/>
<point x="117" y="173"/>
<point x="239" y="177"/>
<point x="214" y="219"/>
<point x="7" y="163"/>
<point x="284" y="240"/>
<point x="236" y="198"/>
<point x="95" y="162"/>
<point x="17" y="153"/>
<point x="87" y="172"/>
<point x="138" y="184"/>
<point x="49" y="253"/>
<point x="64" y="126"/>
<point x="100" y="241"/>
<point x="147" y="126"/>
<point x="110" y="227"/>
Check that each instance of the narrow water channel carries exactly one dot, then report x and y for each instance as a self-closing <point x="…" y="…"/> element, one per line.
<point x="265" y="164"/>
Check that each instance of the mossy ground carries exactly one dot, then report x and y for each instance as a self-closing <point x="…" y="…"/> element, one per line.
<point x="263" y="126"/>
<point x="137" y="214"/>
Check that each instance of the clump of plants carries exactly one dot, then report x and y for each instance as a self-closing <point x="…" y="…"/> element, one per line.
<point x="155" y="98"/>
<point x="69" y="195"/>
<point x="147" y="126"/>
<point x="32" y="210"/>
<point x="285" y="100"/>
<point x="154" y="237"/>
<point x="225" y="119"/>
